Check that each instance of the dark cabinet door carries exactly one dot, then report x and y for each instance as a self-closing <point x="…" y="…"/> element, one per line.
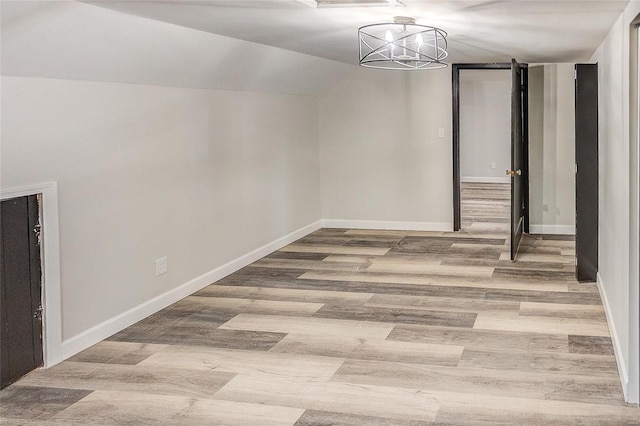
<point x="20" y="289"/>
<point x="586" y="171"/>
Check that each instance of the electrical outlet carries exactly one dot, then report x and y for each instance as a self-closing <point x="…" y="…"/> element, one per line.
<point x="162" y="267"/>
<point x="441" y="132"/>
<point x="493" y="165"/>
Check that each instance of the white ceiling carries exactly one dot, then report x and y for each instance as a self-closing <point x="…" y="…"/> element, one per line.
<point x="532" y="31"/>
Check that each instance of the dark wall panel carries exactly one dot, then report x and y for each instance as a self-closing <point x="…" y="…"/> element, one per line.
<point x="586" y="172"/>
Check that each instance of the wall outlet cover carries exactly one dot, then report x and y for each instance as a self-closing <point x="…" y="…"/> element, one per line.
<point x="162" y="266"/>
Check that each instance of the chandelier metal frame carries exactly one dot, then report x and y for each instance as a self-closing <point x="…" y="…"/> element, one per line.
<point x="402" y="45"/>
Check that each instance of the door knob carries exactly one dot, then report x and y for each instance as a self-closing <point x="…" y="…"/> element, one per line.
<point x="513" y="173"/>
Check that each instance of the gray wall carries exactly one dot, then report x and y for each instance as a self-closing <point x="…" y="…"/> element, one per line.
<point x="380" y="154"/>
<point x="618" y="183"/>
<point x="552" y="148"/>
<point x="485" y="125"/>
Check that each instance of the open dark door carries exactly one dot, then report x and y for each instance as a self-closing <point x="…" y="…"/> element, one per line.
<point x="518" y="166"/>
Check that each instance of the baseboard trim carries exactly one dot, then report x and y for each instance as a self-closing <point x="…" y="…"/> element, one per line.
<point x="472" y="179"/>
<point x="113" y="325"/>
<point x="386" y="225"/>
<point x="617" y="348"/>
<point x="552" y="229"/>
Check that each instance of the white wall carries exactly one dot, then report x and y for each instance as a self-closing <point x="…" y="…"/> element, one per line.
<point x="201" y="176"/>
<point x="485" y="125"/>
<point x="380" y="155"/>
<point x="552" y="148"/>
<point x="620" y="294"/>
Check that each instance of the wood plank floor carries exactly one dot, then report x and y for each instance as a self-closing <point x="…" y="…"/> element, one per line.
<point x="355" y="327"/>
<point x="485" y="207"/>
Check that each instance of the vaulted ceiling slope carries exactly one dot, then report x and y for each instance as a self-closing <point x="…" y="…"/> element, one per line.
<point x="479" y="30"/>
<point x="76" y="41"/>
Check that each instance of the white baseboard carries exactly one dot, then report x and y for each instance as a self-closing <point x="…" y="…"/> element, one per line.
<point x="113" y="325"/>
<point x="386" y="225"/>
<point x="552" y="229"/>
<point x="617" y="348"/>
<point x="498" y="179"/>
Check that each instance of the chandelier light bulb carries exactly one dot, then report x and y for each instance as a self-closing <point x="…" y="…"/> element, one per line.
<point x="389" y="37"/>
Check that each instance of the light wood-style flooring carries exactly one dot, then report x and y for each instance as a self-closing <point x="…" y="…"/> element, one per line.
<point x="355" y="327"/>
<point x="485" y="208"/>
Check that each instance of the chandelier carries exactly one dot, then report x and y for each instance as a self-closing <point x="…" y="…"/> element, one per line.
<point x="402" y="45"/>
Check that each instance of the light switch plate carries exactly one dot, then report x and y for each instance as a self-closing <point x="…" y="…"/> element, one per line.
<point x="441" y="132"/>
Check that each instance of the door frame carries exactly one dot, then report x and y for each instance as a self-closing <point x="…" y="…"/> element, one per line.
<point x="51" y="303"/>
<point x="518" y="157"/>
<point x="455" y="75"/>
<point x="633" y="388"/>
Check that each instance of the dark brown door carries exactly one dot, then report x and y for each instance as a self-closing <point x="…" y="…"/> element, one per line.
<point x="20" y="288"/>
<point x="518" y="169"/>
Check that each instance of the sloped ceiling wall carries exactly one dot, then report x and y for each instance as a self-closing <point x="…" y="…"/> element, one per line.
<point x="77" y="41"/>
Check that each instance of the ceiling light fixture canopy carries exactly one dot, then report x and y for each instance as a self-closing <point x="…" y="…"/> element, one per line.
<point x="317" y="4"/>
<point x="402" y="45"/>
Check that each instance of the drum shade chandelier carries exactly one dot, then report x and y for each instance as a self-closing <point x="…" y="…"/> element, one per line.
<point x="402" y="45"/>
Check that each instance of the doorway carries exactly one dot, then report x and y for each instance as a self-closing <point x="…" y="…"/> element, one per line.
<point x="20" y="288"/>
<point x="518" y="171"/>
<point x="485" y="146"/>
